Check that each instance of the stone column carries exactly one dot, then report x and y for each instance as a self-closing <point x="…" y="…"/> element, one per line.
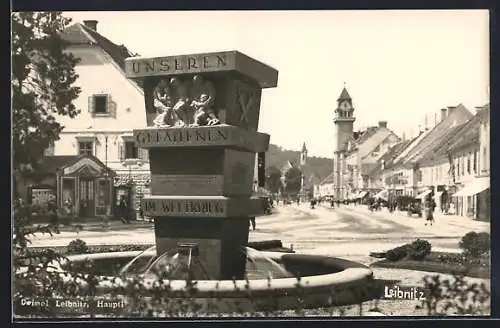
<point x="202" y="176"/>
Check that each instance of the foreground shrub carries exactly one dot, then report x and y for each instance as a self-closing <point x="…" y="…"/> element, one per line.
<point x="419" y="249"/>
<point x="475" y="244"/>
<point x="398" y="253"/>
<point x="77" y="246"/>
<point x="455" y="297"/>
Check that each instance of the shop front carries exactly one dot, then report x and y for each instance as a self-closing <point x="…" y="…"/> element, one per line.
<point x="473" y="200"/>
<point x="85" y="187"/>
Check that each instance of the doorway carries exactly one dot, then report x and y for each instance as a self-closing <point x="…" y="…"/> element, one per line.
<point x="86" y="198"/>
<point x="126" y="192"/>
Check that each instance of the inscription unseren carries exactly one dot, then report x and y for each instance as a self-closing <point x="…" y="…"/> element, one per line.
<point x="179" y="64"/>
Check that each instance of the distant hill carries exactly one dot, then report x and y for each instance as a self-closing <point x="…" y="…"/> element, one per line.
<point x="277" y="156"/>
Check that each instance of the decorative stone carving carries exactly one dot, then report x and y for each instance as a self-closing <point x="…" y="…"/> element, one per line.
<point x="245" y="103"/>
<point x="163" y="102"/>
<point x="203" y="95"/>
<point x="181" y="103"/>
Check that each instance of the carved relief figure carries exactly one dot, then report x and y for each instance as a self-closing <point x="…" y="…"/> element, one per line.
<point x="245" y="101"/>
<point x="203" y="99"/>
<point x="163" y="102"/>
<point x="182" y="104"/>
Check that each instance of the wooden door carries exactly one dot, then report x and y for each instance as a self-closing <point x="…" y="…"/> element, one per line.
<point x="86" y="198"/>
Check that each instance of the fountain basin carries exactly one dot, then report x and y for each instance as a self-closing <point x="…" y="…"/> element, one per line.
<point x="325" y="281"/>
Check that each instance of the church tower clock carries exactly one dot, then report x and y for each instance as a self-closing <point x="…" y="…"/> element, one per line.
<point x="344" y="123"/>
<point x="344" y="119"/>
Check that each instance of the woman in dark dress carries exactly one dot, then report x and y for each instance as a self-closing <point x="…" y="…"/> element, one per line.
<point x="124" y="215"/>
<point x="430" y="206"/>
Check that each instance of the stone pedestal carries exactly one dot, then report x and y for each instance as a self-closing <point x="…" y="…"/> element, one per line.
<point x="202" y="176"/>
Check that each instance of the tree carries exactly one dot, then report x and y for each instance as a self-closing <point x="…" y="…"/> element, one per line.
<point x="273" y="179"/>
<point x="293" y="181"/>
<point x="43" y="75"/>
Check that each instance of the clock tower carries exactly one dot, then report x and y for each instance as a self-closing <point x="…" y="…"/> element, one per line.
<point x="344" y="123"/>
<point x="344" y="119"/>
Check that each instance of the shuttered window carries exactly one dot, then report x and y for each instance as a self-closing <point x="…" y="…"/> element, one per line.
<point x="100" y="105"/>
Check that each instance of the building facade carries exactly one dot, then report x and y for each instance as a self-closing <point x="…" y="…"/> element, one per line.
<point x="111" y="107"/>
<point x="410" y="163"/>
<point x="357" y="152"/>
<point x="471" y="168"/>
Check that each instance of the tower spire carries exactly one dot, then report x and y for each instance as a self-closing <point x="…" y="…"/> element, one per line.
<point x="303" y="155"/>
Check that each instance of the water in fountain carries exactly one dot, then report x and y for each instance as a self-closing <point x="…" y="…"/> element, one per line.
<point x="260" y="266"/>
<point x="138" y="263"/>
<point x="184" y="263"/>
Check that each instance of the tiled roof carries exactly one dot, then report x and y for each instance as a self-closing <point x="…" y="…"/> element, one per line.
<point x="390" y="155"/>
<point x="344" y="95"/>
<point x="358" y="137"/>
<point x="80" y="34"/>
<point x="457" y="116"/>
<point x="468" y="135"/>
<point x="369" y="132"/>
<point x="441" y="148"/>
<point x="484" y="113"/>
<point x="51" y="164"/>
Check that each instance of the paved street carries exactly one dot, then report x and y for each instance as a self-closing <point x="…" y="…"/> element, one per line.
<point x="348" y="231"/>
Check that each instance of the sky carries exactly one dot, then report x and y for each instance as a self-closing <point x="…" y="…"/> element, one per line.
<point x="398" y="66"/>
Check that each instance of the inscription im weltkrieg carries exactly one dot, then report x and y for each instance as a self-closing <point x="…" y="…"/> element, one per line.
<point x="184" y="206"/>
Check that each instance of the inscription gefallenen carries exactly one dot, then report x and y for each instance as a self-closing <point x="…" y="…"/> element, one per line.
<point x="208" y="207"/>
<point x="182" y="136"/>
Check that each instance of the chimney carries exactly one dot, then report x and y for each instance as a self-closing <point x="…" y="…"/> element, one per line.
<point x="382" y="124"/>
<point x="444" y="113"/>
<point x="92" y="24"/>
<point x="404" y="136"/>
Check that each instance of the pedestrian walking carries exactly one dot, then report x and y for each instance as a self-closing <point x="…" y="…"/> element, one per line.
<point x="124" y="210"/>
<point x="430" y="206"/>
<point x="52" y="214"/>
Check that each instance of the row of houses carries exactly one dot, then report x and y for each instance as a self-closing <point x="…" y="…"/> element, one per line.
<point x="451" y="161"/>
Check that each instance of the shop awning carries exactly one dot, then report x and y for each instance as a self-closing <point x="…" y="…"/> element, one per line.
<point x="474" y="187"/>
<point x="423" y="194"/>
<point x="362" y="194"/>
<point x="382" y="194"/>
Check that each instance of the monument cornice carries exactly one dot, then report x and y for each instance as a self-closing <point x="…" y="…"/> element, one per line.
<point x="202" y="136"/>
<point x="138" y="68"/>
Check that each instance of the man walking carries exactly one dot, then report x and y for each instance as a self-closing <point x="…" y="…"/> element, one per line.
<point x="124" y="215"/>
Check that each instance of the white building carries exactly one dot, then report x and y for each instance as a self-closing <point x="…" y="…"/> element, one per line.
<point x="111" y="107"/>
